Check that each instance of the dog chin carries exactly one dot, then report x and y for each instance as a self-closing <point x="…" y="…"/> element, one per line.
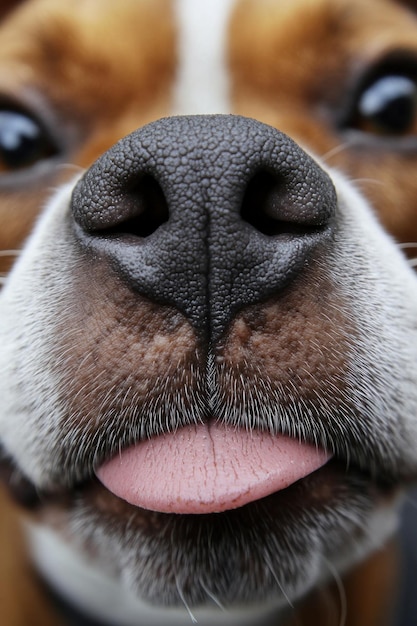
<point x="266" y="554"/>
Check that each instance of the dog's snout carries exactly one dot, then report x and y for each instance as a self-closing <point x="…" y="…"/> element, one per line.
<point x="206" y="213"/>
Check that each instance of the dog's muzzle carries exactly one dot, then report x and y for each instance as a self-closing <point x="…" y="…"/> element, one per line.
<point x="198" y="313"/>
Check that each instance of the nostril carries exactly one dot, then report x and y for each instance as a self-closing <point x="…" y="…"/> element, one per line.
<point x="259" y="202"/>
<point x="268" y="205"/>
<point x="148" y="210"/>
<point x="137" y="207"/>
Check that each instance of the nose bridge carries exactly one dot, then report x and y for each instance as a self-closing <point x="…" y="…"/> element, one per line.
<point x="223" y="245"/>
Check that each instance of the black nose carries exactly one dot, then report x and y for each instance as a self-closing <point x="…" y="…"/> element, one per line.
<point x="206" y="213"/>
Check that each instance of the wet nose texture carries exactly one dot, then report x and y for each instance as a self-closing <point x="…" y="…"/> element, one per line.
<point x="206" y="213"/>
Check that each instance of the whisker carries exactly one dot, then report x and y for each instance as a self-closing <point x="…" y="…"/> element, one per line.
<point x="335" y="151"/>
<point x="409" y="244"/>
<point x="10" y="252"/>
<point x="341" y="590"/>
<point x="212" y="596"/>
<point x="71" y="167"/>
<point x="275" y="577"/>
<point x="178" y="585"/>
<point x="184" y="601"/>
<point x="367" y="181"/>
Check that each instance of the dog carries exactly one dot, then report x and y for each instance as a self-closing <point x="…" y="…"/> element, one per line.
<point x="209" y="338"/>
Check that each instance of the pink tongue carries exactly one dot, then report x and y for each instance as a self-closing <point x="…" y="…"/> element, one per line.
<point x="208" y="468"/>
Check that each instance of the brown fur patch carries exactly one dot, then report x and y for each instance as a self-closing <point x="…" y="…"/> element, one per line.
<point x="303" y="93"/>
<point x="59" y="63"/>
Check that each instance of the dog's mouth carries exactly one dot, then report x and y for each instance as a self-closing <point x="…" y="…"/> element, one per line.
<point x="208" y="468"/>
<point x="215" y="506"/>
<point x="202" y="466"/>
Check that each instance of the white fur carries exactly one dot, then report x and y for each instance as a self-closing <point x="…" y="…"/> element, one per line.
<point x="27" y="446"/>
<point x="98" y="595"/>
<point x="381" y="289"/>
<point x="202" y="85"/>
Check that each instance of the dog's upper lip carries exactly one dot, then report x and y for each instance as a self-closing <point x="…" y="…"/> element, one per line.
<point x="208" y="468"/>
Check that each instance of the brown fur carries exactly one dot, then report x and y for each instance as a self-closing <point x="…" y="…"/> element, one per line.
<point x="64" y="65"/>
<point x="299" y="93"/>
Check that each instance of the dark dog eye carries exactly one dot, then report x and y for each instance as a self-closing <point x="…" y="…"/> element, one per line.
<point x="384" y="99"/>
<point x="388" y="105"/>
<point x="23" y="141"/>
